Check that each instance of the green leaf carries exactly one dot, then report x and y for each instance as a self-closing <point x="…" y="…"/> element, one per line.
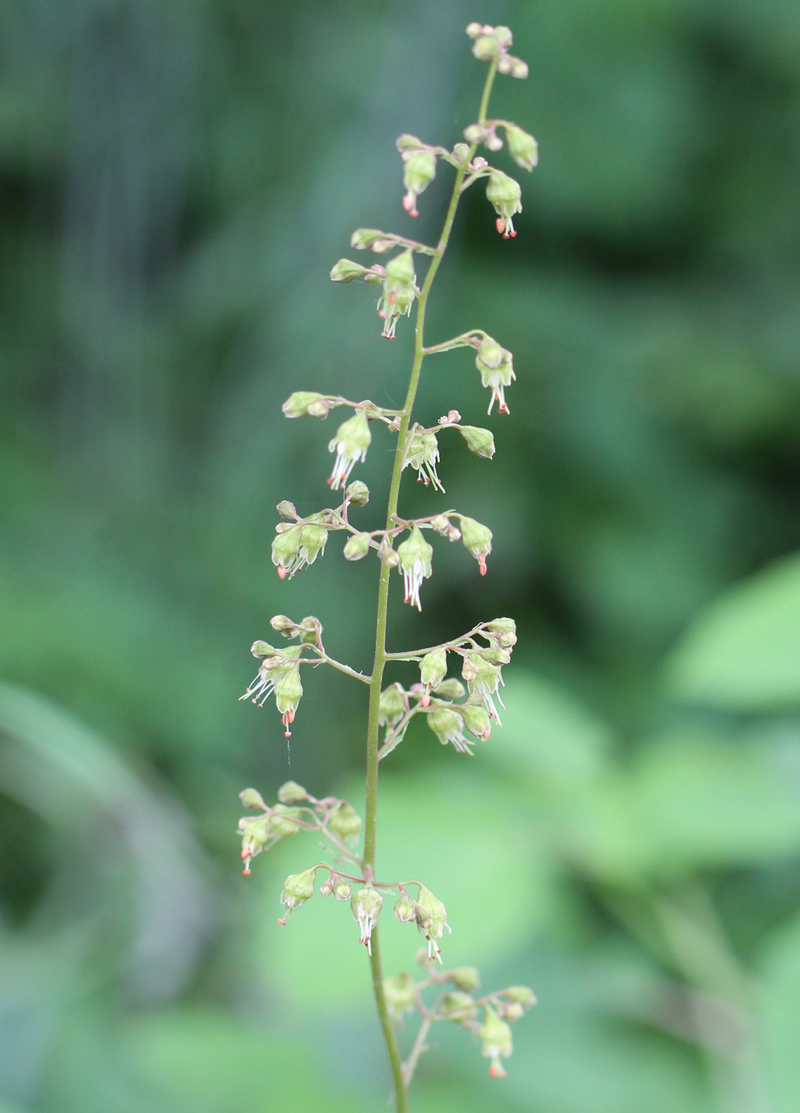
<point x="780" y="1015"/>
<point x="743" y="652"/>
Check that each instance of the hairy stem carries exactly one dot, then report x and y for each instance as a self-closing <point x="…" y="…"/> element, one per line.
<point x="376" y="681"/>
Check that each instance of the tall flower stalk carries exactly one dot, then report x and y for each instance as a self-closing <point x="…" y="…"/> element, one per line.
<point x="458" y="711"/>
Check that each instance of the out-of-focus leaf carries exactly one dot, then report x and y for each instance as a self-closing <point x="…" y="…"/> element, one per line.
<point x="743" y="652"/>
<point x="779" y="1001"/>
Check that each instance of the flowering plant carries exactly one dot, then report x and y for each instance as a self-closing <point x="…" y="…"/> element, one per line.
<point x="460" y="712"/>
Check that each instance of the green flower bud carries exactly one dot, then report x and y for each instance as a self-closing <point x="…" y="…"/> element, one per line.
<point x="285" y="548"/>
<point x="387" y="555"/>
<point x="350" y="444"/>
<point x="496" y="1041"/>
<point x="282" y="821"/>
<point x="366" y="904"/>
<point x="485" y="48"/>
<point x="433" y="669"/>
<point x="423" y="452"/>
<point x="490" y="355"/>
<point x="496" y="655"/>
<point x="503" y="37"/>
<point x="345" y="821"/>
<point x="400" y="994"/>
<point x="479" y="441"/>
<point x="400" y="270"/>
<point x="342" y="889"/>
<point x="292" y="793"/>
<point x="457" y="1007"/>
<point x="408" y="143"/>
<point x="474" y="29"/>
<point x="474" y="133"/>
<point x="418" y="173"/>
<point x="506" y="197"/>
<point x="448" y="726"/>
<point x="310" y="630"/>
<point x="262" y="650"/>
<point x="415" y="563"/>
<point x="502" y="625"/>
<point x="405" y="909"/>
<point x="357" y="493"/>
<point x="466" y="978"/>
<point x="363" y="238"/>
<point x="476" y="720"/>
<point x="297" y="889"/>
<point x="357" y="546"/>
<point x="522" y="147"/>
<point x="521" y="994"/>
<point x="510" y="1012"/>
<point x="282" y="624"/>
<point x="392" y="706"/>
<point x="286" y="509"/>
<point x="319" y="409"/>
<point x="518" y="68"/>
<point x="461" y="152"/>
<point x="326" y="888"/>
<point x="431" y="919"/>
<point x="477" y="540"/>
<point x="450" y="689"/>
<point x="251" y="798"/>
<point x="441" y="524"/>
<point x="296" y="405"/>
<point x="346" y="270"/>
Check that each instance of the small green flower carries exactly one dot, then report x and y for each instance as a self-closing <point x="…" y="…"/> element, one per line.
<point x="350" y="444"/>
<point x="418" y="173"/>
<point x="477" y="540"/>
<point x="357" y="546"/>
<point x="448" y="726"/>
<point x="292" y="793"/>
<point x="497" y="371"/>
<point x="345" y="822"/>
<point x="366" y="904"/>
<point x="431" y="920"/>
<point x="479" y="441"/>
<point x="432" y="671"/>
<point x="506" y="197"/>
<point x="522" y="147"/>
<point x="415" y="563"/>
<point x="357" y="493"/>
<point x="297" y="889"/>
<point x="393" y="705"/>
<point x="398" y="292"/>
<point x="422" y="454"/>
<point x="296" y="405"/>
<point x="496" y="1041"/>
<point x="400" y="994"/>
<point x="405" y="909"/>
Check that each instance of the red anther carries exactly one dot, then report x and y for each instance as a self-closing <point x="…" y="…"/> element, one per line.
<point x="500" y="225"/>
<point x="282" y="922"/>
<point x="246" y="854"/>
<point x="426" y="700"/>
<point x="485" y="734"/>
<point x="496" y="1070"/>
<point x="246" y="871"/>
<point x="503" y="408"/>
<point x="482" y="564"/>
<point x="282" y="571"/>
<point x="382" y="314"/>
<point x="392" y="298"/>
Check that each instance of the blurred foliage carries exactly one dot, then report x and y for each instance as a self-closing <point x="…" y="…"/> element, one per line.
<point x="175" y="181"/>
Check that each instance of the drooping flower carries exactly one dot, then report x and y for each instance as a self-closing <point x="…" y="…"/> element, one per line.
<point x="297" y="889"/>
<point x="431" y="920"/>
<point x="366" y="905"/>
<point x="400" y="992"/>
<point x="350" y="444"/>
<point x="506" y="197"/>
<point x="280" y="674"/>
<point x="495" y="364"/>
<point x="496" y="1042"/>
<point x="418" y="173"/>
<point x="415" y="563"/>
<point x="483" y="680"/>
<point x="398" y="292"/>
<point x="295" y="546"/>
<point x="422" y="455"/>
<point x="477" y="540"/>
<point x="432" y="671"/>
<point x="448" y="726"/>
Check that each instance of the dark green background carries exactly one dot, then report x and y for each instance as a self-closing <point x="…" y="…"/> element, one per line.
<point x="176" y="180"/>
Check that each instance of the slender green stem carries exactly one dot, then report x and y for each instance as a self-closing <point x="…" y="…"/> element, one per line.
<point x="376" y="680"/>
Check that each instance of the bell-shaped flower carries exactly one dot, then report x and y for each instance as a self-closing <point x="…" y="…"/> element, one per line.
<point x="366" y="904"/>
<point x="345" y="822"/>
<point x="405" y="909"/>
<point x="295" y="546"/>
<point x="522" y="147"/>
<point x="495" y="364"/>
<point x="398" y="292"/>
<point x="479" y="441"/>
<point x="483" y="680"/>
<point x="448" y="726"/>
<point x="496" y="1041"/>
<point x="431" y="920"/>
<point x="477" y="540"/>
<point x="432" y="671"/>
<point x="392" y="706"/>
<point x="279" y="674"/>
<point x="297" y="889"/>
<point x="415" y="556"/>
<point x="419" y="170"/>
<point x="422" y="455"/>
<point x="350" y="444"/>
<point x="506" y="197"/>
<point x="400" y="992"/>
<point x="476" y="720"/>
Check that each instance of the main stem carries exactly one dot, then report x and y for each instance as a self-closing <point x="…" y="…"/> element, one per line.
<point x="376" y="682"/>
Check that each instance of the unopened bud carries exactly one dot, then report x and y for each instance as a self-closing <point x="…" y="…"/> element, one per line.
<point x="357" y="493"/>
<point x="521" y="994"/>
<point x="461" y="152"/>
<point x="326" y="888"/>
<point x="493" y="142"/>
<point x="522" y="147"/>
<point x="433" y="669"/>
<point x="504" y="37"/>
<point x="387" y="555"/>
<point x="283" y="821"/>
<point x="251" y="798"/>
<point x="519" y="68"/>
<point x="440" y="524"/>
<point x="310" y="630"/>
<point x="345" y="821"/>
<point x="474" y="29"/>
<point x="466" y="978"/>
<point x="392" y="706"/>
<point x="286" y="509"/>
<point x="292" y="793"/>
<point x="342" y="889"/>
<point x="485" y="48"/>
<point x="363" y="238"/>
<point x="418" y="172"/>
<point x="357" y="546"/>
<point x="479" y="441"/>
<point x="474" y="133"/>
<point x="450" y="689"/>
<point x="457" y="1007"/>
<point x="321" y="408"/>
<point x="453" y="534"/>
<point x="405" y="909"/>
<point x="504" y="64"/>
<point x="346" y="270"/>
<point x="296" y="405"/>
<point x="490" y="354"/>
<point x="281" y="624"/>
<point x="498" y="625"/>
<point x="408" y="143"/>
<point x="510" y="1012"/>
<point x="262" y="650"/>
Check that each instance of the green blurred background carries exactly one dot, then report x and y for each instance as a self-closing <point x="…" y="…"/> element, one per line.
<point x="176" y="179"/>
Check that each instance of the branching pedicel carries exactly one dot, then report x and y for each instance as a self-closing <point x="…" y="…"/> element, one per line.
<point x="455" y="714"/>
